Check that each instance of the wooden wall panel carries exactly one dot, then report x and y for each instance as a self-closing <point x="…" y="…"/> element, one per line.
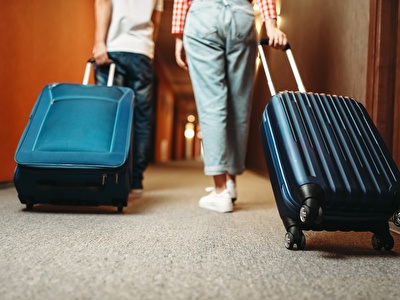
<point x="42" y="41"/>
<point x="396" y="121"/>
<point x="164" y="119"/>
<point x="330" y="43"/>
<point x="381" y="81"/>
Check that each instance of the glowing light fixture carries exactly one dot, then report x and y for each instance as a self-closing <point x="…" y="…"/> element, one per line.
<point x="189" y="130"/>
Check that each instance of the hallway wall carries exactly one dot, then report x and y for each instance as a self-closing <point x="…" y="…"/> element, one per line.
<point x="42" y="41"/>
<point x="49" y="41"/>
<point x="330" y="48"/>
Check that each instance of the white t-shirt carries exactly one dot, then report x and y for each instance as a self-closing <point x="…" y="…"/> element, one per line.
<point x="131" y="29"/>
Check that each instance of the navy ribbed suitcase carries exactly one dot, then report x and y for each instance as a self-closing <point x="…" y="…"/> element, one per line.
<point x="76" y="147"/>
<point x="328" y="165"/>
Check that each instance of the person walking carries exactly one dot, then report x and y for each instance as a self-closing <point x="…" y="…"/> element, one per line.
<point x="216" y="41"/>
<point x="125" y="32"/>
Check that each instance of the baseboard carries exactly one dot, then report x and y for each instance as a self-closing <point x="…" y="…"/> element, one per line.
<point x="394" y="228"/>
<point x="6" y="184"/>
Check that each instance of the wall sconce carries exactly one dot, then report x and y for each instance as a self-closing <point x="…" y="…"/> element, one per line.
<point x="189" y="130"/>
<point x="189" y="135"/>
<point x="191" y="118"/>
<point x="189" y="127"/>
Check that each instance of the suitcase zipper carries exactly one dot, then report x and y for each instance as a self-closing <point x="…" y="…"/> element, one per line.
<point x="104" y="179"/>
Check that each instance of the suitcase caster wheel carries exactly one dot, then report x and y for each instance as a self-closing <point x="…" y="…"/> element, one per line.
<point x="289" y="240"/>
<point x="389" y="243"/>
<point x="120" y="207"/>
<point x="29" y="206"/>
<point x="310" y="213"/>
<point x="302" y="244"/>
<point x="396" y="218"/>
<point x="28" y="201"/>
<point x="378" y="242"/>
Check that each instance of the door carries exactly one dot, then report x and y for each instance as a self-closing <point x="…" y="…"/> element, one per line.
<point x="383" y="80"/>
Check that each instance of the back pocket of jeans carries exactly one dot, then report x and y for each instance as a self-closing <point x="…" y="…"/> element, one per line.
<point x="201" y="22"/>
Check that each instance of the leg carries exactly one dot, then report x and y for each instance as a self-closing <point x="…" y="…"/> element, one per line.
<point x="241" y="52"/>
<point x="136" y="72"/>
<point x="204" y="46"/>
<point x="220" y="183"/>
<point x="141" y="79"/>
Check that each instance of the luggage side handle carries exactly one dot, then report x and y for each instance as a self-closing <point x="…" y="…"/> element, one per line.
<point x="292" y="63"/>
<point x="88" y="68"/>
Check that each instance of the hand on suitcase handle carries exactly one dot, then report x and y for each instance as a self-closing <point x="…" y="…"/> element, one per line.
<point x="89" y="66"/>
<point x="265" y="42"/>
<point x="292" y="63"/>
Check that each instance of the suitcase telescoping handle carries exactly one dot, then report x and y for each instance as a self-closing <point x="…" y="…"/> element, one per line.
<point x="292" y="63"/>
<point x="88" y="68"/>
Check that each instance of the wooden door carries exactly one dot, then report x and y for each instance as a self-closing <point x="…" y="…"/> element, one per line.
<point x="383" y="80"/>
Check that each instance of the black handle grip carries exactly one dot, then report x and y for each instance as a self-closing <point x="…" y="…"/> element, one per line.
<point x="111" y="72"/>
<point x="266" y="42"/>
<point x="93" y="61"/>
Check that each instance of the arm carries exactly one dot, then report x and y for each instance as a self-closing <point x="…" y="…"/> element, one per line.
<point x="180" y="10"/>
<point x="180" y="56"/>
<point x="102" y="10"/>
<point x="277" y="38"/>
<point x="156" y="20"/>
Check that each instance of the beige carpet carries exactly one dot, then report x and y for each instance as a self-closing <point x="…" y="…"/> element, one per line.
<point x="164" y="247"/>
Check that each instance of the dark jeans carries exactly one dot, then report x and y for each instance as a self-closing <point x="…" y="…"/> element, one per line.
<point x="136" y="72"/>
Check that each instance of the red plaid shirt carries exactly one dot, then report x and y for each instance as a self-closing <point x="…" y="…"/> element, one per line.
<point x="181" y="7"/>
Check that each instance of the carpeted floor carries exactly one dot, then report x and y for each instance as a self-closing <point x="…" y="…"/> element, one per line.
<point x="164" y="247"/>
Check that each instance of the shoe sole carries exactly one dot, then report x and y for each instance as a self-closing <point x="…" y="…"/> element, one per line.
<point x="218" y="209"/>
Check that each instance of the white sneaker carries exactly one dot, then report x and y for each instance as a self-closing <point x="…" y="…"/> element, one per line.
<point x="136" y="192"/>
<point x="231" y="187"/>
<point x="218" y="202"/>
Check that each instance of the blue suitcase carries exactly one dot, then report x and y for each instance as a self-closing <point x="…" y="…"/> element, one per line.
<point x="76" y="147"/>
<point x="328" y="165"/>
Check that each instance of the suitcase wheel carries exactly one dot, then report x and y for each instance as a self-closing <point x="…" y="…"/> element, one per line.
<point x="379" y="241"/>
<point x="28" y="201"/>
<point x="396" y="218"/>
<point x="311" y="211"/>
<point x="291" y="239"/>
<point x="120" y="207"/>
<point x="29" y="206"/>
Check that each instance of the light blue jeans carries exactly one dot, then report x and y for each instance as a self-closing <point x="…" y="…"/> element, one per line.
<point x="221" y="45"/>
